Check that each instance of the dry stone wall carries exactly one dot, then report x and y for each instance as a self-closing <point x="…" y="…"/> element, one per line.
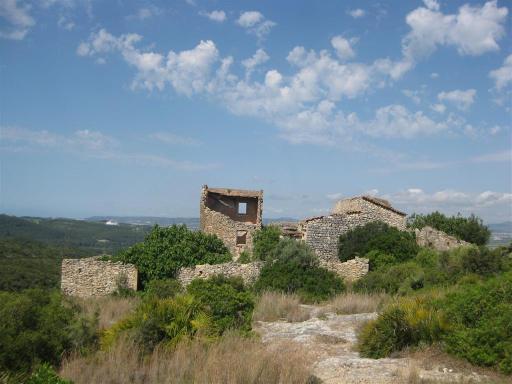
<point x="350" y="270"/>
<point x="438" y="240"/>
<point x="248" y="272"/>
<point x="93" y="277"/>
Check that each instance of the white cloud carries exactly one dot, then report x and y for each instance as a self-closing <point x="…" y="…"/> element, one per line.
<point x="16" y="14"/>
<point x="431" y="4"/>
<point x="503" y="75"/>
<point x="259" y="57"/>
<point x="65" y="23"/>
<point x="434" y="75"/>
<point x="502" y="156"/>
<point x="413" y="95"/>
<point x="343" y="48"/>
<point x="255" y="23"/>
<point x="217" y="15"/>
<point x="174" y="139"/>
<point x="473" y="30"/>
<point x="146" y="13"/>
<point x="439" y="108"/>
<point x="461" y="99"/>
<point x="335" y="196"/>
<point x="356" y="13"/>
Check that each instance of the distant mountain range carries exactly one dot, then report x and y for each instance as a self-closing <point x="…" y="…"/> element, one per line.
<point x="505" y="227"/>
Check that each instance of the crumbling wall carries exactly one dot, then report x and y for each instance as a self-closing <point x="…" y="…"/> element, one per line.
<point x="248" y="272"/>
<point x="93" y="277"/>
<point x="350" y="270"/>
<point x="438" y="240"/>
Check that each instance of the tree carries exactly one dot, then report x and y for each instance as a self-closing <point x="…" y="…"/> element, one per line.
<point x="265" y="240"/>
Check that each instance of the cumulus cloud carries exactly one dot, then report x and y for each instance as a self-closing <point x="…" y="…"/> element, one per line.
<point x="255" y="23"/>
<point x="356" y="13"/>
<point x="343" y="48"/>
<point x="502" y="76"/>
<point x="473" y="30"/>
<point x="439" y="108"/>
<point x="259" y="57"/>
<point x="461" y="99"/>
<point x="17" y="15"/>
<point x="218" y="15"/>
<point x="146" y="13"/>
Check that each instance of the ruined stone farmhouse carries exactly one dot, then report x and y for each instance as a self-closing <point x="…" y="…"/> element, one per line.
<point x="231" y="214"/>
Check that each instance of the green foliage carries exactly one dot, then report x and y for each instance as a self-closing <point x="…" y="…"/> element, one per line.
<point x="408" y="322"/>
<point x="245" y="257"/>
<point x="226" y="301"/>
<point x="470" y="229"/>
<point x="265" y="240"/>
<point x="398" y="245"/>
<point x="45" y="374"/>
<point x="481" y="317"/>
<point x="166" y="250"/>
<point x="37" y="326"/>
<point x="163" y="289"/>
<point x="379" y="259"/>
<point x="293" y="268"/>
<point x="400" y="278"/>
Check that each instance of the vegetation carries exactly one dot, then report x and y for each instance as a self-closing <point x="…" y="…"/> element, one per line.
<point x="163" y="289"/>
<point x="273" y="306"/>
<point x="470" y="229"/>
<point x="166" y="250"/>
<point x="292" y="267"/>
<point x="380" y="242"/>
<point x="265" y="240"/>
<point x="38" y="326"/>
<point x="45" y="374"/>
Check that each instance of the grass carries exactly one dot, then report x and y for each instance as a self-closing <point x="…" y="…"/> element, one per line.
<point x="110" y="309"/>
<point x="232" y="359"/>
<point x="350" y="303"/>
<point x="273" y="306"/>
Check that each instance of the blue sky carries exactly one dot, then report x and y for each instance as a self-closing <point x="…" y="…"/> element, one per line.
<point x="128" y="107"/>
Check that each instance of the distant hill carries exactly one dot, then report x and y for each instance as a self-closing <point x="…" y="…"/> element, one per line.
<point x="505" y="227"/>
<point x="84" y="237"/>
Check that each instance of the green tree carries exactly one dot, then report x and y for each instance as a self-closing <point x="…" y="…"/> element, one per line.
<point x="166" y="250"/>
<point x="265" y="240"/>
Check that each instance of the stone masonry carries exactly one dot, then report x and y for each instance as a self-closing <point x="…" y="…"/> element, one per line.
<point x="93" y="277"/>
<point x="248" y="272"/>
<point x="231" y="214"/>
<point x="438" y="240"/>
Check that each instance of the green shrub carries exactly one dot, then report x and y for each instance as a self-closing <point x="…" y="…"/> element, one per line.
<point x="293" y="268"/>
<point x="470" y="229"/>
<point x="482" y="261"/>
<point x="481" y="317"/>
<point x="379" y="259"/>
<point x="163" y="288"/>
<point x="409" y="322"/>
<point x="265" y="240"/>
<point x="377" y="236"/>
<point x="400" y="278"/>
<point x="37" y="326"/>
<point x="226" y="301"/>
<point x="166" y="250"/>
<point x="45" y="374"/>
<point x="245" y="257"/>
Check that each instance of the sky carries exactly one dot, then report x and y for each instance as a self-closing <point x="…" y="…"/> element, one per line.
<point x="128" y="107"/>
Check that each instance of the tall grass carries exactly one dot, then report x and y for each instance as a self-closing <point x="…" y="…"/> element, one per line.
<point x="232" y="359"/>
<point x="273" y="306"/>
<point x="110" y="309"/>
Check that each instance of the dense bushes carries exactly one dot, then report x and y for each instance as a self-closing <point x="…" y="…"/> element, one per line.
<point x="165" y="250"/>
<point x="470" y="229"/>
<point x="293" y="268"/>
<point x="37" y="326"/>
<point x="265" y="240"/>
<point x="473" y="321"/>
<point x="208" y="309"/>
<point x="395" y="245"/>
<point x="163" y="288"/>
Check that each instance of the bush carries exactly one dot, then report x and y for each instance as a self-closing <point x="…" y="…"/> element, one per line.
<point x="163" y="288"/>
<point x="293" y="268"/>
<point x="226" y="300"/>
<point x="377" y="236"/>
<point x="166" y="250"/>
<point x="408" y="322"/>
<point x="45" y="374"/>
<point x="481" y="317"/>
<point x="482" y="261"/>
<point x="265" y="240"/>
<point x="37" y="326"/>
<point x="401" y="278"/>
<point x="245" y="257"/>
<point x="470" y="229"/>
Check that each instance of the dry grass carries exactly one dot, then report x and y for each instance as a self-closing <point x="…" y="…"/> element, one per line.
<point x="110" y="309"/>
<point x="274" y="306"/>
<point x="349" y="303"/>
<point x="230" y="360"/>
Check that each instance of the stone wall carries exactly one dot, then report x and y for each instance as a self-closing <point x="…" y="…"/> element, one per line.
<point x="438" y="240"/>
<point x="350" y="270"/>
<point x="249" y="272"/>
<point x="93" y="277"/>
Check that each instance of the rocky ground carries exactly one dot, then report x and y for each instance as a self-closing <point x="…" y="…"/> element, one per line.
<point x="329" y="342"/>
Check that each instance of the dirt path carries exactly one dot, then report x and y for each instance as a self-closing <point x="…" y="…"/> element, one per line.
<point x="330" y="343"/>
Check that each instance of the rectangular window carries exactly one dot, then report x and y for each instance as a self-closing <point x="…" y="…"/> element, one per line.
<point x="242" y="208"/>
<point x="241" y="237"/>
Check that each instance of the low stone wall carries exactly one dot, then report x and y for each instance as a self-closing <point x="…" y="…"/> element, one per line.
<point x="93" y="277"/>
<point x="350" y="270"/>
<point x="438" y="240"/>
<point x="249" y="272"/>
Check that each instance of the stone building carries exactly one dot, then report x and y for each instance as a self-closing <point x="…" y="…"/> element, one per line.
<point x="231" y="214"/>
<point x="322" y="233"/>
